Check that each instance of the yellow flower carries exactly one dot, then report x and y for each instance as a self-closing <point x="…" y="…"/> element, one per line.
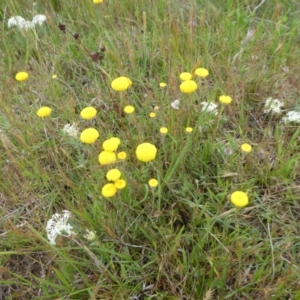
<point x="188" y="86"/>
<point x="121" y="83"/>
<point x="89" y="135"/>
<point x="111" y="144"/>
<point x="54" y="76"/>
<point x="189" y="129"/>
<point x="106" y="158"/>
<point x="88" y="113"/>
<point x="97" y="1"/>
<point x="146" y="152"/>
<point x="185" y="76"/>
<point x="239" y="199"/>
<point x="44" y="111"/>
<point x="162" y="84"/>
<point x="113" y="175"/>
<point x="201" y="72"/>
<point x="129" y="109"/>
<point x="109" y="190"/>
<point x="225" y="99"/>
<point x="153" y="182"/>
<point x="152" y="115"/>
<point x="120" y="184"/>
<point x="246" y="147"/>
<point x="122" y="155"/>
<point x="163" y="130"/>
<point x="21" y="76"/>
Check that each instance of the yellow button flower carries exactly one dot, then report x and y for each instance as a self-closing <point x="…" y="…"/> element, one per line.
<point x="113" y="175"/>
<point x="111" y="144"/>
<point x="246" y="147"/>
<point x="188" y="86"/>
<point x="109" y="190"/>
<point x="21" y="76"/>
<point x="106" y="158"/>
<point x="120" y="184"/>
<point x="163" y="130"/>
<point x="146" y="152"/>
<point x="239" y="199"/>
<point x="185" y="76"/>
<point x="152" y="115"/>
<point x="201" y="72"/>
<point x="54" y="76"/>
<point x="162" y="84"/>
<point x="189" y="129"/>
<point x="122" y="155"/>
<point x="88" y="113"/>
<point x="89" y="135"/>
<point x="153" y="182"/>
<point x="225" y="99"/>
<point x="129" y="109"/>
<point x="121" y="83"/>
<point x="97" y="1"/>
<point x="44" y="111"/>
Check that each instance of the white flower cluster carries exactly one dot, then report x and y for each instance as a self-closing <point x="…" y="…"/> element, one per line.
<point x="291" y="116"/>
<point x="58" y="225"/>
<point x="210" y="107"/>
<point x="24" y="24"/>
<point x="90" y="235"/>
<point x="71" y="130"/>
<point x="273" y="106"/>
<point x="175" y="104"/>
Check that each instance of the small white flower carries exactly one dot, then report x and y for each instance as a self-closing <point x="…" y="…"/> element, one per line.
<point x="210" y="107"/>
<point x="90" y="235"/>
<point x="273" y="106"/>
<point x="291" y="116"/>
<point x="15" y="21"/>
<point x="57" y="225"/>
<point x="38" y="19"/>
<point x="71" y="130"/>
<point x="175" y="104"/>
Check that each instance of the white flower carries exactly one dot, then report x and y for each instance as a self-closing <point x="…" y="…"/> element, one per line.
<point x="175" y="104"/>
<point x="15" y="21"/>
<point x="71" y="130"/>
<point x="273" y="106"/>
<point x="57" y="225"/>
<point x="90" y="235"/>
<point x="210" y="107"/>
<point x="38" y="19"/>
<point x="291" y="116"/>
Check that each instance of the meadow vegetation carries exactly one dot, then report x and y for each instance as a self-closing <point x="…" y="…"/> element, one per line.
<point x="162" y="224"/>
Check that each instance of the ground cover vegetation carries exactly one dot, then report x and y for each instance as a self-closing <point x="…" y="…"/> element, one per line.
<point x="149" y="149"/>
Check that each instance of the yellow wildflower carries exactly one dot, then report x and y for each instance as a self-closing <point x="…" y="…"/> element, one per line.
<point x="111" y="144"/>
<point x="122" y="155"/>
<point x="44" y="111"/>
<point x="106" y="158"/>
<point x="97" y="1"/>
<point x="21" y="76"/>
<point x="121" y="83"/>
<point x="88" y="113"/>
<point x="129" y="109"/>
<point x="239" y="199"/>
<point x="89" y="135"/>
<point x="163" y="130"/>
<point x="109" y="190"/>
<point x="246" y="147"/>
<point x="201" y="72"/>
<point x="185" y="76"/>
<point x="153" y="183"/>
<point x="152" y="115"/>
<point x="146" y="152"/>
<point x="120" y="184"/>
<point x="189" y="129"/>
<point x="113" y="175"/>
<point x="162" y="84"/>
<point x="188" y="86"/>
<point x="225" y="99"/>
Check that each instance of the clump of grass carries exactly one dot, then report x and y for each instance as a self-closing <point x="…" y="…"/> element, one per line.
<point x="169" y="229"/>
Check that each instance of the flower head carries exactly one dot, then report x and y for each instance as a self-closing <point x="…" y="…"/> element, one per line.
<point x="239" y="199"/>
<point x="185" y="76"/>
<point x="120" y="184"/>
<point x="71" y="130"/>
<point x="88" y="113"/>
<point x="146" y="152"/>
<point x="162" y="84"/>
<point x="152" y="114"/>
<point x="210" y="107"/>
<point x="201" y="72"/>
<point x="129" y="109"/>
<point x="44" y="111"/>
<point x="225" y="99"/>
<point x="20" y="22"/>
<point x="109" y="190"/>
<point x="97" y="1"/>
<point x="153" y="183"/>
<point x="54" y="76"/>
<point x="106" y="158"/>
<point x="122" y="155"/>
<point x="175" y="104"/>
<point x="188" y="129"/>
<point x="89" y="135"/>
<point x="113" y="175"/>
<point x="90" y="235"/>
<point x="58" y="225"/>
<point x="21" y="76"/>
<point x="111" y="144"/>
<point x="188" y="86"/>
<point x="121" y="83"/>
<point x="291" y="116"/>
<point x="246" y="147"/>
<point x="163" y="130"/>
<point x="273" y="106"/>
<point x="38" y="19"/>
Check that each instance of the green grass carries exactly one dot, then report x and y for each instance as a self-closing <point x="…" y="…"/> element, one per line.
<point x="184" y="239"/>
